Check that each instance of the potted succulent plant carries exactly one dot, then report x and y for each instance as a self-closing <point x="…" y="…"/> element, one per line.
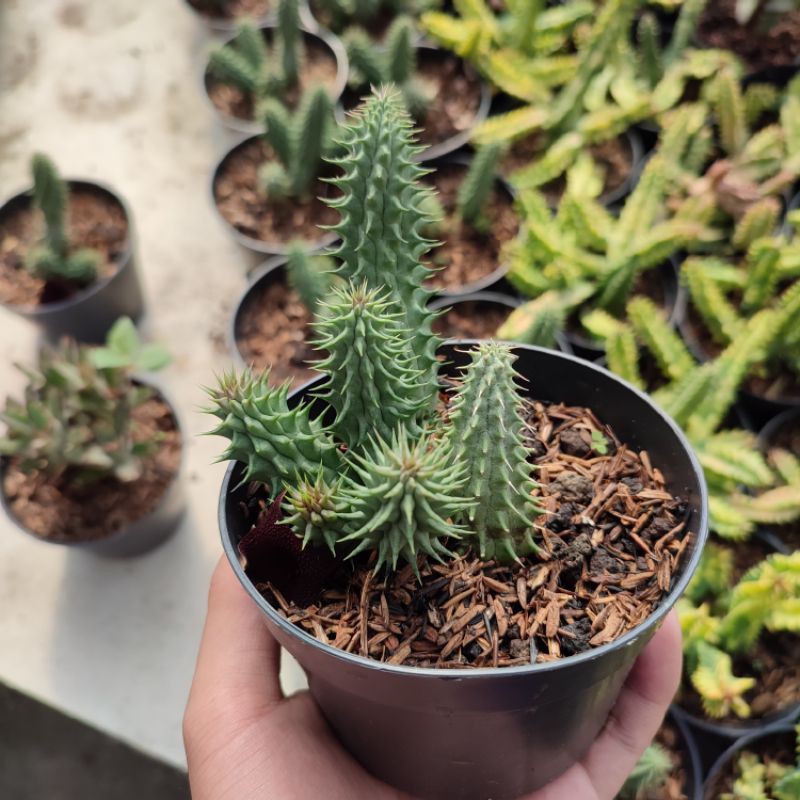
<point x="222" y="16"/>
<point x="740" y="626"/>
<point x="763" y="765"/>
<point x="280" y="61"/>
<point x="271" y="324"/>
<point x="269" y="189"/>
<point x="474" y="221"/>
<point x="307" y="524"/>
<point x="91" y="455"/>
<point x="444" y="94"/>
<point x="67" y="256"/>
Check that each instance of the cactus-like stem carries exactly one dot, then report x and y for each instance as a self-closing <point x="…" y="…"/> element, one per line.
<point x="729" y="111"/>
<point x="722" y="319"/>
<point x="229" y="66"/>
<point x="474" y="192"/>
<point x="485" y="433"/>
<point x="309" y="139"/>
<point x="290" y="35"/>
<point x="251" y="46"/>
<point x="279" y="445"/>
<point x="403" y="494"/>
<point x="759" y="220"/>
<point x="278" y="129"/>
<point x="308" y="275"/>
<point x="401" y="54"/>
<point x="373" y="380"/>
<point x="365" y="60"/>
<point x="763" y="273"/>
<point x="649" y="36"/>
<point x="649" y="775"/>
<point x="383" y="215"/>
<point x="317" y="511"/>
<point x="688" y="17"/>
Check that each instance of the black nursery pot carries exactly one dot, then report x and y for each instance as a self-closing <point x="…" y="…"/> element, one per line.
<point x="693" y="786"/>
<point x="88" y="314"/>
<point x="250" y="243"/>
<point x="137" y="537"/>
<point x="318" y="37"/>
<point x="472" y="734"/>
<point x="774" y="736"/>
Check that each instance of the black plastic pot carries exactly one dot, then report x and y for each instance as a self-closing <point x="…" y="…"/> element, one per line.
<point x="469" y="734"/>
<point x="457" y="141"/>
<point x="674" y="301"/>
<point x="319" y="36"/>
<point x="250" y="244"/>
<point x="693" y="787"/>
<point x="792" y="205"/>
<point x="778" y="733"/>
<point x="222" y="26"/>
<point x="88" y="314"/>
<point x="136" y="538"/>
<point x="490" y="281"/>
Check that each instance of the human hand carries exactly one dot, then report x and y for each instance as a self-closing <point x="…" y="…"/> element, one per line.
<point x="246" y="741"/>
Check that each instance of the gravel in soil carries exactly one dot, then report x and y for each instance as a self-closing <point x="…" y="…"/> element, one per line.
<point x="318" y="68"/>
<point x="466" y="254"/>
<point x="612" y="539"/>
<point x="471" y="319"/>
<point x="64" y="511"/>
<point x="272" y="332"/>
<point x="614" y="158"/>
<point x="774" y="662"/>
<point x="242" y="203"/>
<point x="94" y="219"/>
<point x="231" y="9"/>
<point x="777" y="45"/>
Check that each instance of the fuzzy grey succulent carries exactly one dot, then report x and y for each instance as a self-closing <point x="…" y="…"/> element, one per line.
<point x="54" y="259"/>
<point x="75" y="423"/>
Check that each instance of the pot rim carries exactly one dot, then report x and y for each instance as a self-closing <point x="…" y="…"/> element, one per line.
<point x="315" y="246"/>
<point x="123" y="262"/>
<point x="694" y="767"/>
<point x="156" y="385"/>
<point x="329" y="39"/>
<point x="738" y="746"/>
<point x="460" y="674"/>
<point x="768" y="431"/>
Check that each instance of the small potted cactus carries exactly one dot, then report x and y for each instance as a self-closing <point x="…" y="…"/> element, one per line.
<point x="740" y="622"/>
<point x="271" y="324"/>
<point x="406" y="472"/>
<point x="763" y="766"/>
<point x="269" y="189"/>
<point x="444" y="94"/>
<point x="223" y="16"/>
<point x="67" y="256"/>
<point x="281" y="61"/>
<point x="91" y="455"/>
<point x="474" y="221"/>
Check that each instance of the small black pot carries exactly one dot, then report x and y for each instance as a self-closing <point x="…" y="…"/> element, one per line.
<point x="779" y="732"/>
<point x="693" y="787"/>
<point x="88" y="315"/>
<point x="318" y="36"/>
<point x="792" y="205"/>
<point x="250" y="244"/>
<point x="637" y="146"/>
<point x="138" y="537"/>
<point x="222" y="26"/>
<point x="674" y="301"/>
<point x="469" y="734"/>
<point x="490" y="281"/>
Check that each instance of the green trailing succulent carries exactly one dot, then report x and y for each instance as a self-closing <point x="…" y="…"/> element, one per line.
<point x="300" y="142"/>
<point x="649" y="775"/>
<point x="395" y="62"/>
<point x="766" y="777"/>
<point x="53" y="259"/>
<point x="478" y="184"/>
<point x="720" y="620"/>
<point x="257" y="69"/>
<point x="75" y="422"/>
<point x="368" y="464"/>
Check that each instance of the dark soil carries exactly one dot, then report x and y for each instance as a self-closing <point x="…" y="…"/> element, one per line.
<point x="94" y="219"/>
<point x="471" y="319"/>
<point x="774" y="661"/>
<point x="612" y="539"/>
<point x="777" y="748"/>
<point x="614" y="158"/>
<point x="467" y="255"/>
<point x="231" y="9"/>
<point x="243" y="204"/>
<point x="272" y="333"/>
<point x="760" y="47"/>
<point x="455" y="89"/>
<point x="61" y="511"/>
<point x="318" y="68"/>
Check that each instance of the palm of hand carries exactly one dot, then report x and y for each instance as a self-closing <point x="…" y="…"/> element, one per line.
<point x="245" y="741"/>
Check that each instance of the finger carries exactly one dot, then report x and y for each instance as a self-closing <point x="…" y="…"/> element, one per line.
<point x="238" y="659"/>
<point x="639" y="711"/>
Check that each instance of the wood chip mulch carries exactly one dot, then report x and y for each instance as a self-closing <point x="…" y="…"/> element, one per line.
<point x="612" y="538"/>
